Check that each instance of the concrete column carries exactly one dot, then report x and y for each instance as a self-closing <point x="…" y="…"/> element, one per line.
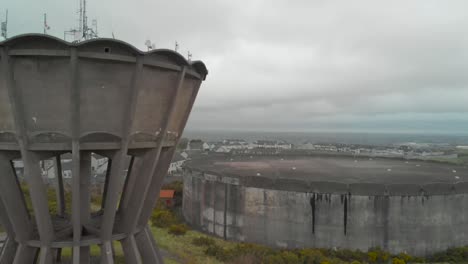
<point x="59" y="186"/>
<point x="7" y="254"/>
<point x="25" y="255"/>
<point x="141" y="175"/>
<point x="148" y="248"/>
<point x="106" y="184"/>
<point x="12" y="198"/>
<point x="131" y="252"/>
<point x="152" y="196"/>
<point x="85" y="199"/>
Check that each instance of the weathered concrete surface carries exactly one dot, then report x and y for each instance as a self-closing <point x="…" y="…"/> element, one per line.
<point x="418" y="219"/>
<point x="102" y="96"/>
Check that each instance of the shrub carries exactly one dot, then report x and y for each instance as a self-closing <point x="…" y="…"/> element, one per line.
<point x="203" y="241"/>
<point x="452" y="255"/>
<point x="377" y="255"/>
<point x="398" y="261"/>
<point x="311" y="256"/>
<point x="217" y="252"/>
<point x="178" y="230"/>
<point x="289" y="257"/>
<point x="372" y="257"/>
<point x="274" y="259"/>
<point x="355" y="262"/>
<point x="163" y="218"/>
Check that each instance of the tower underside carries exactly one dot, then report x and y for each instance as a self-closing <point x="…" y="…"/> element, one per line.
<point x="100" y="97"/>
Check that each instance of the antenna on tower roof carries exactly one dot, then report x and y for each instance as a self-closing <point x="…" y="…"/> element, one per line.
<point x="4" y="26"/>
<point x="46" y="26"/>
<point x="150" y="45"/>
<point x="176" y="46"/>
<point x="83" y="32"/>
<point x="189" y="56"/>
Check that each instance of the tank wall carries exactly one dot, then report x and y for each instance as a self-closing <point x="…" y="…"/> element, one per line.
<point x="416" y="224"/>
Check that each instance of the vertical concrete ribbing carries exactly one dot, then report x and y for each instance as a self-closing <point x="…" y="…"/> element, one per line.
<point x="32" y="170"/>
<point x="132" y="214"/>
<point x="75" y="99"/>
<point x="115" y="177"/>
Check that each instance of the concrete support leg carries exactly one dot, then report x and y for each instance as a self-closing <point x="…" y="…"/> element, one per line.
<point x="46" y="256"/>
<point x="106" y="183"/>
<point x="58" y="255"/>
<point x="37" y="189"/>
<point x="25" y="255"/>
<point x="141" y="175"/>
<point x="59" y="186"/>
<point x="107" y="256"/>
<point x="7" y="254"/>
<point x="113" y="193"/>
<point x="128" y="185"/>
<point x="85" y="200"/>
<point x="152" y="196"/>
<point x="13" y="202"/>
<point x="5" y="221"/>
<point x="130" y="249"/>
<point x="76" y="201"/>
<point x="148" y="248"/>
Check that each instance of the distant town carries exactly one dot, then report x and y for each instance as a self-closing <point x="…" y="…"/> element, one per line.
<point x="192" y="148"/>
<point x="189" y="148"/>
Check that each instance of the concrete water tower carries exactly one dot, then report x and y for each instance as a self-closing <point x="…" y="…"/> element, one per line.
<point x="99" y="96"/>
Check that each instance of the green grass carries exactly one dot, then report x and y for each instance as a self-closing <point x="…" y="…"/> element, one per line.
<point x="182" y="247"/>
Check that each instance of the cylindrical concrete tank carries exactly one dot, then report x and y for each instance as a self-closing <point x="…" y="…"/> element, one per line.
<point x="102" y="96"/>
<point x="329" y="202"/>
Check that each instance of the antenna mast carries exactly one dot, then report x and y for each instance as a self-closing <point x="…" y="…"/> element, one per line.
<point x="83" y="32"/>
<point x="189" y="56"/>
<point x="4" y="26"/>
<point x="46" y="26"/>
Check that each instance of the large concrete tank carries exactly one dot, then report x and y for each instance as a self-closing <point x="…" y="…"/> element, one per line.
<point x="329" y="202"/>
<point x="102" y="96"/>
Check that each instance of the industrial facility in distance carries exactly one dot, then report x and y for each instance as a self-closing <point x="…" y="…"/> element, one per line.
<point x="100" y="96"/>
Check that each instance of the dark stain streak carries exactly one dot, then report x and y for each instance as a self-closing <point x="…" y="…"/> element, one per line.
<point x="345" y="215"/>
<point x="312" y="205"/>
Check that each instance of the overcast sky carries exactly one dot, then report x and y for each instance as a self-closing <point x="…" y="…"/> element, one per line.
<point x="387" y="66"/>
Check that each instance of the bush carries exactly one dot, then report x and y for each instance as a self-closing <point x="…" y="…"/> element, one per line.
<point x="452" y="255"/>
<point x="163" y="218"/>
<point x="377" y="255"/>
<point x="178" y="230"/>
<point x="274" y="259"/>
<point x="355" y="262"/>
<point x="217" y="252"/>
<point x="311" y="256"/>
<point x="398" y="261"/>
<point x="203" y="241"/>
<point x="289" y="257"/>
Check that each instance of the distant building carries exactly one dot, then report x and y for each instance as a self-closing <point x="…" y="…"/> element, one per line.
<point x="195" y="144"/>
<point x="176" y="163"/>
<point x="167" y="196"/>
<point x="271" y="144"/>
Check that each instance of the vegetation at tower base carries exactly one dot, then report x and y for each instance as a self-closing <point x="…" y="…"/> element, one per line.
<point x="195" y="247"/>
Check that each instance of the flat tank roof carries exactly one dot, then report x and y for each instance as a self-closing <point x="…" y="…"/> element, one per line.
<point x="333" y="169"/>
